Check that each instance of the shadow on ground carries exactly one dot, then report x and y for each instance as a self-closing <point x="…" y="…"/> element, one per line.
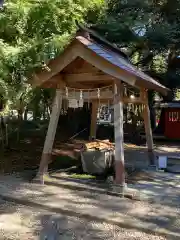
<point x="76" y="212"/>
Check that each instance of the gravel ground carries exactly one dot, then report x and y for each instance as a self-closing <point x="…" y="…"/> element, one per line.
<point x="61" y="210"/>
<point x="22" y="223"/>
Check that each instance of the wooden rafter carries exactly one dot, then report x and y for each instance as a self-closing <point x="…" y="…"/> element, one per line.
<point x="87" y="77"/>
<point x="79" y="65"/>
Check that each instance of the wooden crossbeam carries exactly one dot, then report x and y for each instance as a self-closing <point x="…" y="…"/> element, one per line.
<point x="87" y="77"/>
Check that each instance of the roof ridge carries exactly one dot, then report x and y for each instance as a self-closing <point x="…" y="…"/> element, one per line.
<point x="103" y="40"/>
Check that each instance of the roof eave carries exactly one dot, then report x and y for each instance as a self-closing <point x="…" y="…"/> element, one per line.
<point x="153" y="86"/>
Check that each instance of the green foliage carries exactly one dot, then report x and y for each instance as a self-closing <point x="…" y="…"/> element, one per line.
<point x="149" y="30"/>
<point x="32" y="32"/>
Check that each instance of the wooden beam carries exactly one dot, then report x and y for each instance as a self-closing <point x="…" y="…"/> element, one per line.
<point x="136" y="100"/>
<point x="53" y="81"/>
<point x="102" y="101"/>
<point x="87" y="77"/>
<point x="94" y="119"/>
<point x="74" y="66"/>
<point x="46" y="155"/>
<point x="110" y="98"/>
<point x="119" y="135"/>
<point x="56" y="65"/>
<point x="79" y="85"/>
<point x="148" y="130"/>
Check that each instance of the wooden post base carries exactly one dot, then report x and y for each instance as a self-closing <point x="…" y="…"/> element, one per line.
<point x="43" y="168"/>
<point x="119" y="173"/>
<point x="120" y="185"/>
<point x="151" y="157"/>
<point x="40" y="179"/>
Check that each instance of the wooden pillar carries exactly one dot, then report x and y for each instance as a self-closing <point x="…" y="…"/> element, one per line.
<point x="147" y="125"/>
<point x="119" y="135"/>
<point x="48" y="145"/>
<point x="94" y="119"/>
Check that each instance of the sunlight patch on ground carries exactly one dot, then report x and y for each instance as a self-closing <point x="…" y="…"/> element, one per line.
<point x="133" y="146"/>
<point x="169" y="149"/>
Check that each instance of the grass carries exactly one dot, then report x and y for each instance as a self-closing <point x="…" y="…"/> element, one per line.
<point x="82" y="176"/>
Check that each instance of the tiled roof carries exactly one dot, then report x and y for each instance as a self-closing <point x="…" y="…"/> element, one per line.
<point x="116" y="58"/>
<point x="101" y="40"/>
<point x="118" y="64"/>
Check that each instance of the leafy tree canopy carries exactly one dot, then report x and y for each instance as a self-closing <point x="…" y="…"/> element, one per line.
<point x="149" y="31"/>
<point x="31" y="32"/>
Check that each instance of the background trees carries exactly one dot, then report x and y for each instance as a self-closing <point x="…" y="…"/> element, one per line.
<point x="32" y="32"/>
<point x="149" y="32"/>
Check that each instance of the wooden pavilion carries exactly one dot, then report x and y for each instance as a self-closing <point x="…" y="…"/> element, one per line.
<point x="90" y="62"/>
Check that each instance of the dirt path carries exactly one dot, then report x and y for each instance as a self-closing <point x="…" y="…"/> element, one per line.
<point x="61" y="210"/>
<point x="19" y="222"/>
